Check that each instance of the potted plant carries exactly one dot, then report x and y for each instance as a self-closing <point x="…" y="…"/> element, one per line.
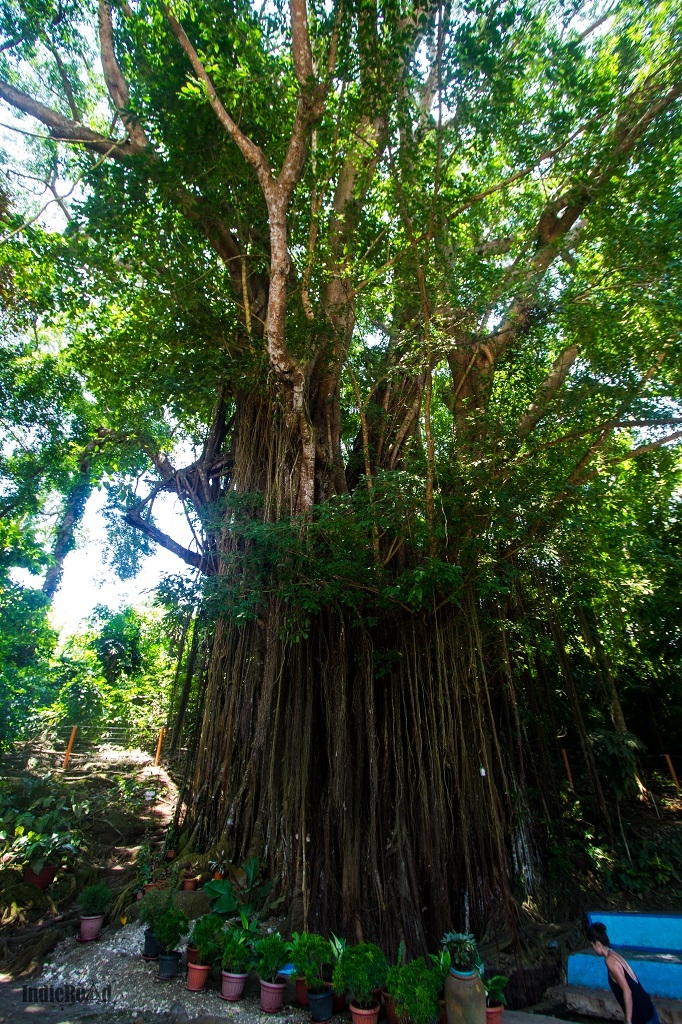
<point x="464" y="992"/>
<point x="41" y="853"/>
<point x="218" y="865"/>
<point x="413" y="989"/>
<point x="208" y="936"/>
<point x="169" y="844"/>
<point x="152" y="905"/>
<point x="310" y="955"/>
<point x="94" y="901"/>
<point x="360" y="971"/>
<point x="190" y="882"/>
<point x="167" y="931"/>
<point x="495" y="1000"/>
<point x="237" y="957"/>
<point x="273" y="953"/>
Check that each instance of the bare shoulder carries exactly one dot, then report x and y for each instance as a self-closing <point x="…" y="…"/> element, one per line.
<point x="617" y="966"/>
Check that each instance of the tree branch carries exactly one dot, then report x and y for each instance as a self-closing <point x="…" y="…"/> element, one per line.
<point x="116" y="83"/>
<point x="64" y="129"/>
<point x="300" y="41"/>
<point x="134" y="519"/>
<point x="252" y="153"/>
<point x="546" y="392"/>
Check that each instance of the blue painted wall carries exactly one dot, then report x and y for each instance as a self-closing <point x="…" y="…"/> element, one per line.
<point x="661" y="976"/>
<point x="641" y="931"/>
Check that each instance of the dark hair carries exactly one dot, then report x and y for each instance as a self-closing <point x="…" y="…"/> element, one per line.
<point x="597" y="933"/>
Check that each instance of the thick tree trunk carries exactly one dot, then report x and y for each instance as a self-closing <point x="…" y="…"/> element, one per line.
<point x="375" y="766"/>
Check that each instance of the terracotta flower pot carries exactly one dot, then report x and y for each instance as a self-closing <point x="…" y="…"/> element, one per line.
<point x="301" y="992"/>
<point x="361" y="1016"/>
<point x="493" y="1014"/>
<point x="189" y="884"/>
<point x="321" y="1006"/>
<point x="197" y="976"/>
<point x="91" y="927"/>
<point x="192" y="954"/>
<point x="271" y="995"/>
<point x="218" y="876"/>
<point x="443" y="1019"/>
<point x="391" y="1015"/>
<point x="232" y="986"/>
<point x="149" y="886"/>
<point x="44" y="877"/>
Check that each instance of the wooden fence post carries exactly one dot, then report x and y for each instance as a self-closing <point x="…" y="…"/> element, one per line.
<point x="69" y="746"/>
<point x="158" y="746"/>
<point x="672" y="771"/>
<point x="568" y="768"/>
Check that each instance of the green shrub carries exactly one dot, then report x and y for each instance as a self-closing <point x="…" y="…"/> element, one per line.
<point x="245" y="891"/>
<point x="414" y="989"/>
<point x="360" y="970"/>
<point x="494" y="990"/>
<point x="273" y="953"/>
<point x="207" y="935"/>
<point x="95" y="900"/>
<point x="153" y="904"/>
<point x="169" y="927"/>
<point x="237" y="955"/>
<point x="310" y="954"/>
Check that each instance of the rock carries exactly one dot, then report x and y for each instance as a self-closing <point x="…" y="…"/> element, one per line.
<point x="177" y="1014"/>
<point x="194" y="904"/>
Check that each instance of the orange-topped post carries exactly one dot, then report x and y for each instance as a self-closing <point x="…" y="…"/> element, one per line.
<point x="69" y="746"/>
<point x="158" y="746"/>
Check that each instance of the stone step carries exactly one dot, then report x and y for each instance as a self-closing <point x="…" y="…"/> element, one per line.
<point x="641" y="930"/>
<point x="660" y="972"/>
<point x="590" y="1002"/>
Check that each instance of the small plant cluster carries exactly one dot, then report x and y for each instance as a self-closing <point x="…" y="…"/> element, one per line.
<point x="325" y="965"/>
<point x="39" y="825"/>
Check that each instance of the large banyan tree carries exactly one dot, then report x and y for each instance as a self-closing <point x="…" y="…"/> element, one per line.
<point x="407" y="275"/>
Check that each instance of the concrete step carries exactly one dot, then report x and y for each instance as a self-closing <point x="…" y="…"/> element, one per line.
<point x="638" y="930"/>
<point x="660" y="971"/>
<point x="591" y="1002"/>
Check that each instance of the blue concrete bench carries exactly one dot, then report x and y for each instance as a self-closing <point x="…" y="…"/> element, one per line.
<point x="651" y="943"/>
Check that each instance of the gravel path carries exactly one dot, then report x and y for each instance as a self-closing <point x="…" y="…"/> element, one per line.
<point x="136" y="994"/>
